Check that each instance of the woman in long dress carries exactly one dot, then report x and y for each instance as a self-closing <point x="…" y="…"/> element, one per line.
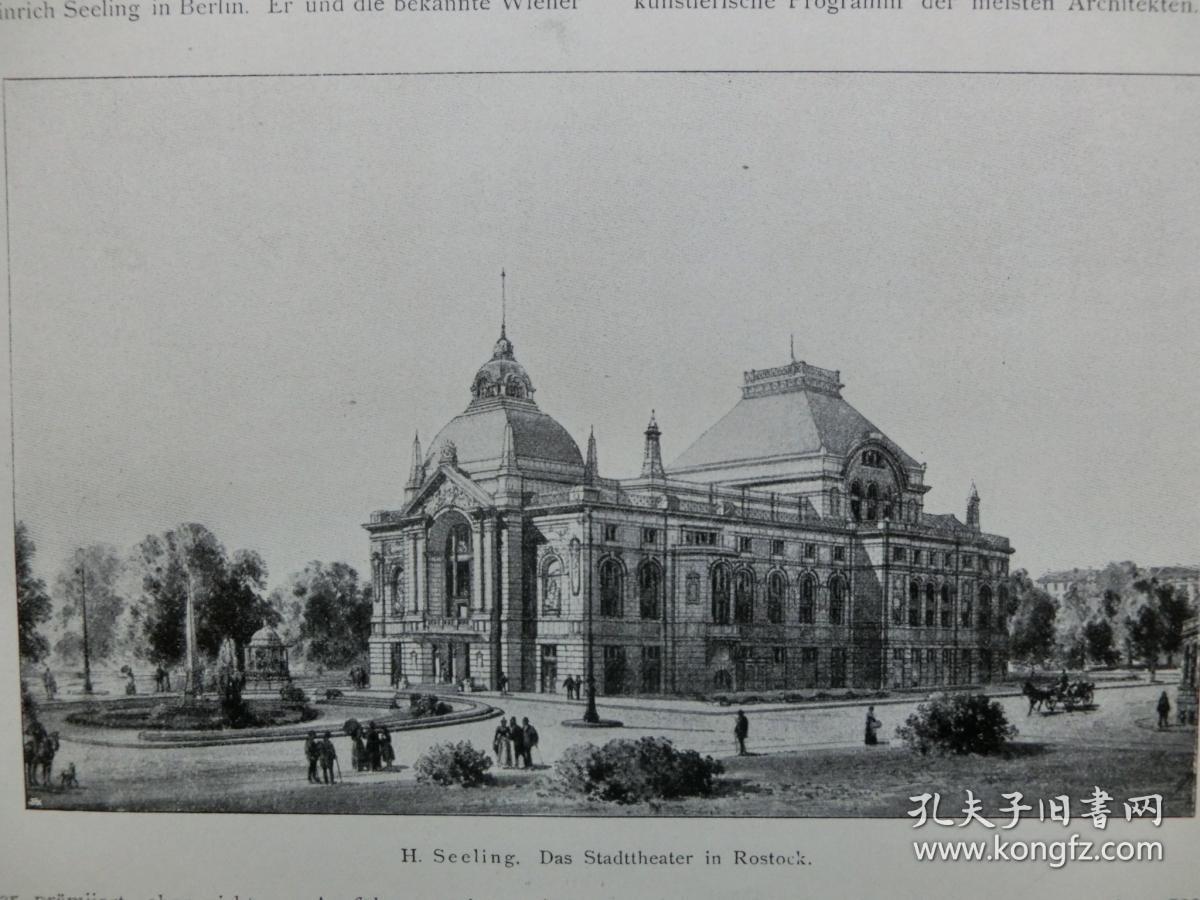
<point x="501" y="745"/>
<point x="872" y="726"/>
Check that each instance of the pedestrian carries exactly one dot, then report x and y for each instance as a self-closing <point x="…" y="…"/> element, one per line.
<point x="741" y="731"/>
<point x="869" y="734"/>
<point x="1164" y="709"/>
<point x="387" y="753"/>
<point x="312" y="753"/>
<point x="501" y="745"/>
<point x="328" y="758"/>
<point x="358" y="752"/>
<point x="373" y="754"/>
<point x="517" y="737"/>
<point x="49" y="683"/>
<point x="502" y="683"/>
<point x="530" y="740"/>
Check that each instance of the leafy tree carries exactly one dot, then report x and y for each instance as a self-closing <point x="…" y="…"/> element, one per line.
<point x="1145" y="629"/>
<point x="1174" y="610"/>
<point x="102" y="569"/>
<point x="335" y="618"/>
<point x="225" y="592"/>
<point x="33" y="601"/>
<point x="1101" y="646"/>
<point x="1032" y="622"/>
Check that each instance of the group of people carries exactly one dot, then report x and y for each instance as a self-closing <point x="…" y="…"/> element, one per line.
<point x="162" y="680"/>
<point x="360" y="678"/>
<point x="371" y="748"/>
<point x="321" y="752"/>
<point x="573" y="686"/>
<point x="49" y="683"/>
<point x="514" y="742"/>
<point x="741" y="730"/>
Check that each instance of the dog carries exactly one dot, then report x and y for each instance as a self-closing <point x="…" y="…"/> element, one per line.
<point x="68" y="777"/>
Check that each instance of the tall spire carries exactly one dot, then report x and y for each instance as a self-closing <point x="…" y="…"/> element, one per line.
<point x="592" y="467"/>
<point x="973" y="508"/>
<point x="503" y="303"/>
<point x="792" y="345"/>
<point x="416" y="474"/>
<point x="652" y="464"/>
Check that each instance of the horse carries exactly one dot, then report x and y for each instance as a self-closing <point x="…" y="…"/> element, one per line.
<point x="1037" y="697"/>
<point x="39" y="754"/>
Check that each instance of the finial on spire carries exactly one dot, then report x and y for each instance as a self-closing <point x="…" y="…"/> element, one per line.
<point x="503" y="302"/>
<point x="592" y="466"/>
<point x="652" y="465"/>
<point x="792" y="345"/>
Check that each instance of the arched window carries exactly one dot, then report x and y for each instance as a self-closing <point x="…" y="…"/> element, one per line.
<point x="743" y="597"/>
<point x="396" y="590"/>
<point x="914" y="604"/>
<point x="649" y="588"/>
<point x="966" y="607"/>
<point x="985" y="608"/>
<point x="808" y="600"/>
<point x="1002" y="609"/>
<point x="930" y="606"/>
<point x="856" y="501"/>
<point x="872" y="501"/>
<point x="552" y="571"/>
<point x="889" y="503"/>
<point x="837" y="600"/>
<point x="835" y="503"/>
<point x="776" y="591"/>
<point x="947" y="609"/>
<point x="458" y="567"/>
<point x="720" y="594"/>
<point x="612" y="588"/>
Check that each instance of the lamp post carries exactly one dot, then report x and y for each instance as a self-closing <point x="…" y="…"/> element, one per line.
<point x="87" y="665"/>
<point x="590" y="715"/>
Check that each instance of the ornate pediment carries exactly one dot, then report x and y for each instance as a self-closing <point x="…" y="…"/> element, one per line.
<point x="449" y="488"/>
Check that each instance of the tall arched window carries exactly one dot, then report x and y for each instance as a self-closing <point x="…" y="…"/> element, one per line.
<point x="612" y="588"/>
<point x="837" y="600"/>
<point x="966" y="606"/>
<point x="720" y="594"/>
<point x="743" y="597"/>
<point x="808" y="600"/>
<point x="856" y="501"/>
<point x="552" y="571"/>
<point x="930" y="606"/>
<point x="914" y="604"/>
<point x="947" y="609"/>
<point x="458" y="567"/>
<point x="835" y="503"/>
<point x="1002" y="609"/>
<point x="889" y="503"/>
<point x="985" y="608"/>
<point x="776" y="591"/>
<point x="872" y="502"/>
<point x="396" y="590"/>
<point x="649" y="588"/>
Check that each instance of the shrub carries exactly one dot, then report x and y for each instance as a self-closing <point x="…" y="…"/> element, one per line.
<point x="458" y="763"/>
<point x="958" y="723"/>
<point x="420" y="705"/>
<point x="629" y="771"/>
<point x="291" y="693"/>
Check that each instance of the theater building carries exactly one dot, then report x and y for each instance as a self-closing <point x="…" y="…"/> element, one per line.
<point x="787" y="547"/>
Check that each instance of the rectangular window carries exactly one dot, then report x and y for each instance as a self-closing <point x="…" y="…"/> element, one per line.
<point x="947" y="560"/>
<point x="897" y="554"/>
<point x="916" y="557"/>
<point x="810" y="551"/>
<point x="610" y="532"/>
<point x="985" y="564"/>
<point x="839" y="554"/>
<point x="700" y="538"/>
<point x="651" y="670"/>
<point x="649" y="535"/>
<point x="808" y="667"/>
<point x="968" y="560"/>
<point x="745" y="544"/>
<point x="837" y="667"/>
<point x="777" y="548"/>
<point x="780" y="656"/>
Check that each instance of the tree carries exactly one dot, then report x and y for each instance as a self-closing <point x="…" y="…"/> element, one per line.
<point x="102" y="569"/>
<point x="1145" y="635"/>
<point x="1174" y="610"/>
<point x="225" y="592"/>
<point x="1032" y="623"/>
<point x="33" y="601"/>
<point x="336" y="611"/>
<point x="1101" y="646"/>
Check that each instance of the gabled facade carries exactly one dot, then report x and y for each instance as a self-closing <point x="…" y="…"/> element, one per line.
<point x="788" y="547"/>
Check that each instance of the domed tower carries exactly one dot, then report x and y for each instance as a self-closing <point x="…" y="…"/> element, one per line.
<point x="502" y="431"/>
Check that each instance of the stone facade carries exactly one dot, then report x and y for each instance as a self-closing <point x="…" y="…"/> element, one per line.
<point x="787" y="548"/>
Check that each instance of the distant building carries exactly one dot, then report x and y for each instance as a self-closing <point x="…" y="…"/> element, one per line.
<point x="787" y="547"/>
<point x="1185" y="580"/>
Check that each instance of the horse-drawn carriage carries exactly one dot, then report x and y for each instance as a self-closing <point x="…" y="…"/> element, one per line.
<point x="1072" y="695"/>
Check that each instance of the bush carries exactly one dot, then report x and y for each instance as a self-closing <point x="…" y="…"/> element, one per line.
<point x="290" y="693"/>
<point x="628" y="771"/>
<point x="454" y="764"/>
<point x="420" y="705"/>
<point x="958" y="723"/>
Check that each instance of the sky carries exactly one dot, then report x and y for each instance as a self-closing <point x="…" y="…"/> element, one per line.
<point x="234" y="301"/>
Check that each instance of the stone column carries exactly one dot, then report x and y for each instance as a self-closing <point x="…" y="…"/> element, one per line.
<point x="488" y="564"/>
<point x="410" y="575"/>
<point x="421" y="594"/>
<point x="477" y="564"/>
